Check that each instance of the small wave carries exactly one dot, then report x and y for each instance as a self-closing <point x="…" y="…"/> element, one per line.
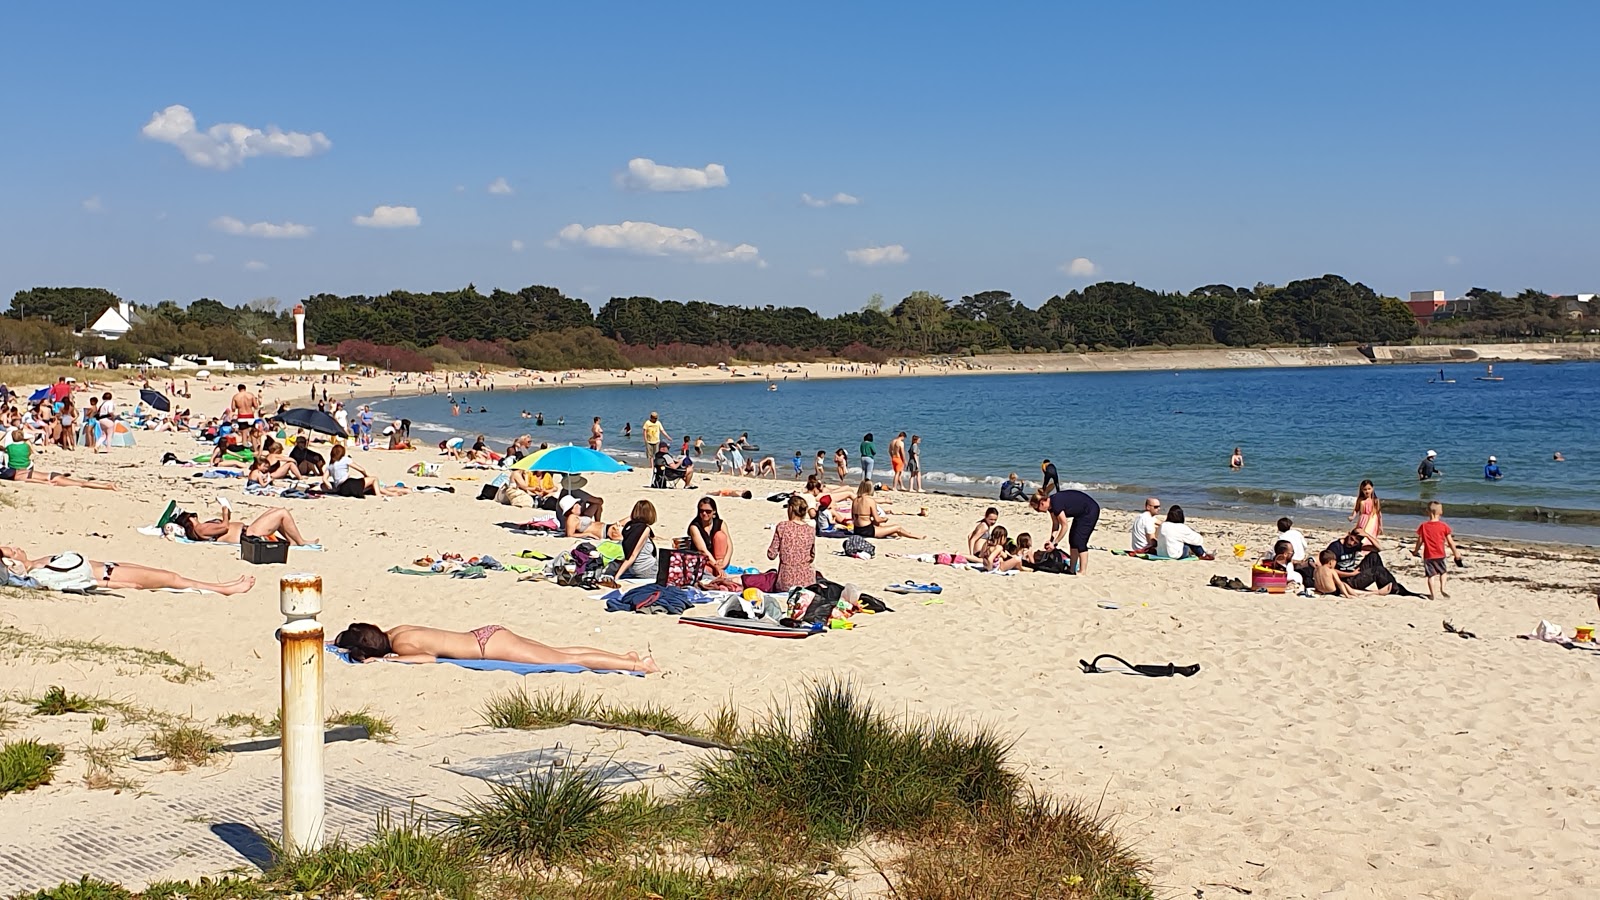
<point x="1327" y="501"/>
<point x="432" y="426"/>
<point x="1091" y="486"/>
<point x="953" y="478"/>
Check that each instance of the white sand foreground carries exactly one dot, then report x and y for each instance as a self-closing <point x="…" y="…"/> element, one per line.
<point x="1326" y="748"/>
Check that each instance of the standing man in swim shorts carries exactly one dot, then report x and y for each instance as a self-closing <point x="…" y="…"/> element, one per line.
<point x="245" y="406"/>
<point x="897" y="460"/>
<point x="1074" y="508"/>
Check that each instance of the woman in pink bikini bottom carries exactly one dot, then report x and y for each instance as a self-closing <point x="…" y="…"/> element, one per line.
<point x="418" y="644"/>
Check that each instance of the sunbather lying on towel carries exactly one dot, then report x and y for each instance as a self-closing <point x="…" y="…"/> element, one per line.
<point x="129" y="576"/>
<point x="226" y="531"/>
<point x="417" y="644"/>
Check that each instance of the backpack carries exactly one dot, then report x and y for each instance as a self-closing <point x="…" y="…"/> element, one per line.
<point x="1052" y="561"/>
<point x="859" y="547"/>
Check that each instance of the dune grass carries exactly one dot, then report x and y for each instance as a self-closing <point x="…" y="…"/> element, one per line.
<point x="16" y="643"/>
<point x="553" y="816"/>
<point x="408" y="858"/>
<point x="57" y="701"/>
<point x="378" y="728"/>
<point x="25" y="765"/>
<point x="184" y="744"/>
<point x="844" y="770"/>
<point x="517" y="708"/>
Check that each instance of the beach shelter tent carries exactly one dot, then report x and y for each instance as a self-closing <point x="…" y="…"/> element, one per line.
<point x="121" y="435"/>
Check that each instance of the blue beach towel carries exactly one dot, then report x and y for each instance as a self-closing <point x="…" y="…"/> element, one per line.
<point x="500" y="665"/>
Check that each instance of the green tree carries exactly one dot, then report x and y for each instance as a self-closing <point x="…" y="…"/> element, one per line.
<point x="71" y="307"/>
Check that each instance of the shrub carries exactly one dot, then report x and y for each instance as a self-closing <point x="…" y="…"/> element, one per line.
<point x="551" y="816"/>
<point x="408" y="858"/>
<point x="57" y="702"/>
<point x="395" y="359"/>
<point x="24" y="765"/>
<point x="184" y="744"/>
<point x="847" y="769"/>
<point x="861" y="353"/>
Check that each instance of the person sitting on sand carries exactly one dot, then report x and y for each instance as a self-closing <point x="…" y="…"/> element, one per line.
<point x="979" y="540"/>
<point x="418" y="644"/>
<point x="128" y="576"/>
<point x="225" y="530"/>
<point x="307" y="460"/>
<point x="1362" y="572"/>
<point x="1143" y="531"/>
<point x="638" y="544"/>
<point x="1176" y="540"/>
<point x="262" y="471"/>
<point x="709" y="536"/>
<point x="1329" y="581"/>
<point x="17" y="466"/>
<point x="869" y="522"/>
<point x="345" y="478"/>
<point x="1013" y="489"/>
<point x="1283" y="558"/>
<point x="999" y="555"/>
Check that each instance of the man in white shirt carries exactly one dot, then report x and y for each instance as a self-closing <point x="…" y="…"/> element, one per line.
<point x="1144" y="527"/>
<point x="1287" y="532"/>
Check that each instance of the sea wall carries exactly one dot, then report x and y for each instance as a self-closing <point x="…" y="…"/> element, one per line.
<point x="1145" y="360"/>
<point x="1542" y="352"/>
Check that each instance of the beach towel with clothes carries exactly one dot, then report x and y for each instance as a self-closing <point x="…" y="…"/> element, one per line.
<point x="859" y="547"/>
<point x="653" y="598"/>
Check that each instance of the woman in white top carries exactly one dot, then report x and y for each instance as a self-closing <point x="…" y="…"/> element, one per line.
<point x="1175" y="540"/>
<point x="346" y="479"/>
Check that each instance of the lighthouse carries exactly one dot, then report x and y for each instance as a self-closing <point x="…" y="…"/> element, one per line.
<point x="300" y="327"/>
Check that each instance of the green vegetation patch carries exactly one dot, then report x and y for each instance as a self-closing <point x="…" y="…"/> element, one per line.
<point x="24" y="765"/>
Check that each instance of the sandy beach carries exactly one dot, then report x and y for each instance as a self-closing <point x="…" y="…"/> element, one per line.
<point x="1326" y="748"/>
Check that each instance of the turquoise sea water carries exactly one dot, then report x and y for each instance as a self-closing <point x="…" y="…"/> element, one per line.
<point x="1309" y="435"/>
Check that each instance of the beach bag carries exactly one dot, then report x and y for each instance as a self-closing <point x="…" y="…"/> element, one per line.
<point x="64" y="572"/>
<point x="679" y="568"/>
<point x="765" y="582"/>
<point x="579" y="568"/>
<point x="1053" y="561"/>
<point x="1269" y="577"/>
<point x="511" y="495"/>
<point x="859" y="547"/>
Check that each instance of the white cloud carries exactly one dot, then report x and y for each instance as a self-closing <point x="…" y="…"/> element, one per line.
<point x="517" y="245"/>
<point x="203" y="258"/>
<point x="650" y="239"/>
<point x="644" y="175"/>
<point x="817" y="273"/>
<point x="228" y="144"/>
<point x="390" y="217"/>
<point x="230" y="225"/>
<point x="892" y="255"/>
<point x="255" y="265"/>
<point x="94" y="205"/>
<point x="839" y="199"/>
<point x="1080" y="268"/>
<point x="500" y="186"/>
<point x="1452" y="260"/>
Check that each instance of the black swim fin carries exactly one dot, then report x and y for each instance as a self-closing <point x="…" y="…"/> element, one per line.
<point x="1163" y="671"/>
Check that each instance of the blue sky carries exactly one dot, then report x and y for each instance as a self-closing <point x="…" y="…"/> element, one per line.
<point x="1026" y="147"/>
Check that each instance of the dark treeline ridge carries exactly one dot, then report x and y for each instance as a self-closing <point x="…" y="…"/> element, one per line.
<point x="540" y="327"/>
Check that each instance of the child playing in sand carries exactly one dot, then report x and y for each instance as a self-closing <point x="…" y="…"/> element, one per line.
<point x="1433" y="537"/>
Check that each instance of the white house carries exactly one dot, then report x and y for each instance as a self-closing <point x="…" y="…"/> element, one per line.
<point x="115" y="321"/>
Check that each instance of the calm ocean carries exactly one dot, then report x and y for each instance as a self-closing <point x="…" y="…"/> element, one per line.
<point x="1309" y="435"/>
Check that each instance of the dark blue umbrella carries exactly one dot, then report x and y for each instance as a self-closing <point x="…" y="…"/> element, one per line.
<point x="156" y="399"/>
<point x="38" y="395"/>
<point x="311" y="420"/>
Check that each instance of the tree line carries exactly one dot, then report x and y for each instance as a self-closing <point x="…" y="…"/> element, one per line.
<point x="542" y="328"/>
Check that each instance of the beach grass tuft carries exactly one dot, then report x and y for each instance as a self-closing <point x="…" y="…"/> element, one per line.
<point x="250" y="722"/>
<point x="1037" y="847"/>
<point x="378" y="728"/>
<point x="678" y="882"/>
<point x="408" y="858"/>
<point x="24" y="765"/>
<point x="517" y="708"/>
<point x="844" y="769"/>
<point x="57" y="701"/>
<point x="184" y="744"/>
<point x="103" y="764"/>
<point x="84" y="888"/>
<point x="559" y="814"/>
